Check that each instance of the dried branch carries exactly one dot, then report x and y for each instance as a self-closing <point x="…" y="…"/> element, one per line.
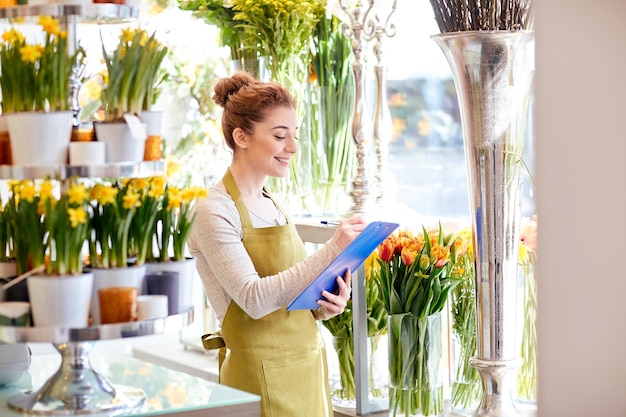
<point x="488" y="15"/>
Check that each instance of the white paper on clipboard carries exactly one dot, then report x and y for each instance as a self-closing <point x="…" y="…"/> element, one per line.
<point x="350" y="258"/>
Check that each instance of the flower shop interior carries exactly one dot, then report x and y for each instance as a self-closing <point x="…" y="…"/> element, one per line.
<point x="408" y="151"/>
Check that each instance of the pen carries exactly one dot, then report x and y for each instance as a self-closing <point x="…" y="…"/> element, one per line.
<point x="330" y="222"/>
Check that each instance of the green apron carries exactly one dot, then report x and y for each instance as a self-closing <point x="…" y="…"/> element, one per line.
<point x="281" y="356"/>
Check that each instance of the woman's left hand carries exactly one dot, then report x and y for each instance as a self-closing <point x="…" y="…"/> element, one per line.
<point x="334" y="304"/>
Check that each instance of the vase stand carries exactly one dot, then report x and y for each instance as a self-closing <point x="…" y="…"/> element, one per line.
<point x="76" y="388"/>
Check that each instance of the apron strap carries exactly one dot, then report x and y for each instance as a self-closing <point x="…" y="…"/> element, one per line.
<point x="235" y="194"/>
<point x="211" y="341"/>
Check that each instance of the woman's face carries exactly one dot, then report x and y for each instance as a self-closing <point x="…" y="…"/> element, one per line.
<point x="273" y="142"/>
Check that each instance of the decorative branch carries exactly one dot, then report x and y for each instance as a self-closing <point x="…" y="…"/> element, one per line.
<point x="486" y="15"/>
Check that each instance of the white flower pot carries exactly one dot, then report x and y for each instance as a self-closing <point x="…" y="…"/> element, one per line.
<point x="39" y="138"/>
<point x="121" y="144"/>
<point x="60" y="301"/>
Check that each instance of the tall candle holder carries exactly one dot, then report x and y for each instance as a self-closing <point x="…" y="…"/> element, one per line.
<point x="364" y="25"/>
<point x="361" y="27"/>
<point x="382" y="117"/>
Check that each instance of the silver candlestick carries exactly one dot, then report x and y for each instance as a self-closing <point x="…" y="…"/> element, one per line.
<point x="383" y="129"/>
<point x="361" y="26"/>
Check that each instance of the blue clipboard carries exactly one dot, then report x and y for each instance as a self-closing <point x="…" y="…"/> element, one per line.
<point x="351" y="257"/>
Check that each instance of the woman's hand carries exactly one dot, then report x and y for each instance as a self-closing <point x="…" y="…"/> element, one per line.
<point x="348" y="230"/>
<point x="334" y="304"/>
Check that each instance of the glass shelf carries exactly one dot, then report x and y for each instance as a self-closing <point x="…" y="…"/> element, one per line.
<point x="61" y="172"/>
<point x="14" y="334"/>
<point x="76" y="388"/>
<point x="85" y="13"/>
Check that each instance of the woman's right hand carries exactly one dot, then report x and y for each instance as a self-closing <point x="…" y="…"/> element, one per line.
<point x="348" y="230"/>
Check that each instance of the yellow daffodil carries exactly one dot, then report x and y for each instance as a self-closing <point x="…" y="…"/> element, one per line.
<point x="37" y="77"/>
<point x="131" y="199"/>
<point x="27" y="191"/>
<point x="30" y="53"/>
<point x="46" y="190"/>
<point x="103" y="194"/>
<point x="49" y="25"/>
<point x="174" y="198"/>
<point x="135" y="61"/>
<point x="77" y="216"/>
<point x="77" y="194"/>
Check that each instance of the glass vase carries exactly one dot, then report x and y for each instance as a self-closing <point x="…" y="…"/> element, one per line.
<point x="295" y="189"/>
<point x="332" y="146"/>
<point x="343" y="385"/>
<point x="526" y="384"/>
<point x="415" y="377"/>
<point x="466" y="384"/>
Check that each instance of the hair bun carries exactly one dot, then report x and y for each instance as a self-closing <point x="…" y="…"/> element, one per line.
<point x="225" y="87"/>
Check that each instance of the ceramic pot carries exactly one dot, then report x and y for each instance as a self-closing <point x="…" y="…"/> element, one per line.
<point x="122" y="143"/>
<point x="33" y="132"/>
<point x="60" y="301"/>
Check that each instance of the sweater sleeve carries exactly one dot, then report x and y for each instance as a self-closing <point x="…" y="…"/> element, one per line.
<point x="227" y="272"/>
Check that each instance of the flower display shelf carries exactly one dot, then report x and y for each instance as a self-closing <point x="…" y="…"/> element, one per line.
<point x="76" y="388"/>
<point x="85" y="13"/>
<point x="61" y="172"/>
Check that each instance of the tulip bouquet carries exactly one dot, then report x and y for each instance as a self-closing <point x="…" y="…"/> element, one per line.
<point x="414" y="281"/>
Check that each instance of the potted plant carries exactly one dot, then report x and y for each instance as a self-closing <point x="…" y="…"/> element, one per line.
<point x="66" y="225"/>
<point x="174" y="221"/>
<point x="36" y="90"/>
<point x="113" y="206"/>
<point x="8" y="267"/>
<point x="130" y="79"/>
<point x="141" y="237"/>
<point x="49" y="227"/>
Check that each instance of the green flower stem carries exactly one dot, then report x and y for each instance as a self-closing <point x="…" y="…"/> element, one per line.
<point x="415" y="349"/>
<point x="466" y="387"/>
<point x="344" y="346"/>
<point x="527" y="374"/>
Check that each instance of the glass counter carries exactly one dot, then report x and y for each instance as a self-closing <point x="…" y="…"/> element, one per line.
<point x="167" y="392"/>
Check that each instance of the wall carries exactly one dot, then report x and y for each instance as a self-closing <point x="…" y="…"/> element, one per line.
<point x="580" y="173"/>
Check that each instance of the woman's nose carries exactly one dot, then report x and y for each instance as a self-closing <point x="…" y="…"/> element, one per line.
<point x="292" y="145"/>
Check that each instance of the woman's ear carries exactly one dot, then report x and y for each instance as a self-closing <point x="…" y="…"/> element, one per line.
<point x="240" y="138"/>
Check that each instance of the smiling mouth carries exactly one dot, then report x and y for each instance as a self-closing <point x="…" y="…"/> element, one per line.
<point x="283" y="160"/>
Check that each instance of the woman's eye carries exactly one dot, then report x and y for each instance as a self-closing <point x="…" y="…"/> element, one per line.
<point x="280" y="137"/>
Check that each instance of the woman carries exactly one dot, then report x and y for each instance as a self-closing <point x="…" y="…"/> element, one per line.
<point x="253" y="263"/>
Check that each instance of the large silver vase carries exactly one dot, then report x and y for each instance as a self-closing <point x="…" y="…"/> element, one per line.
<point x="493" y="73"/>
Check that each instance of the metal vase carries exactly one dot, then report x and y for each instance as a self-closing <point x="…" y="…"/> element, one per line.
<point x="493" y="74"/>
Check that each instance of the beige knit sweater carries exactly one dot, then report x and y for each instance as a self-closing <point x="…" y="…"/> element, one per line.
<point x="226" y="270"/>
